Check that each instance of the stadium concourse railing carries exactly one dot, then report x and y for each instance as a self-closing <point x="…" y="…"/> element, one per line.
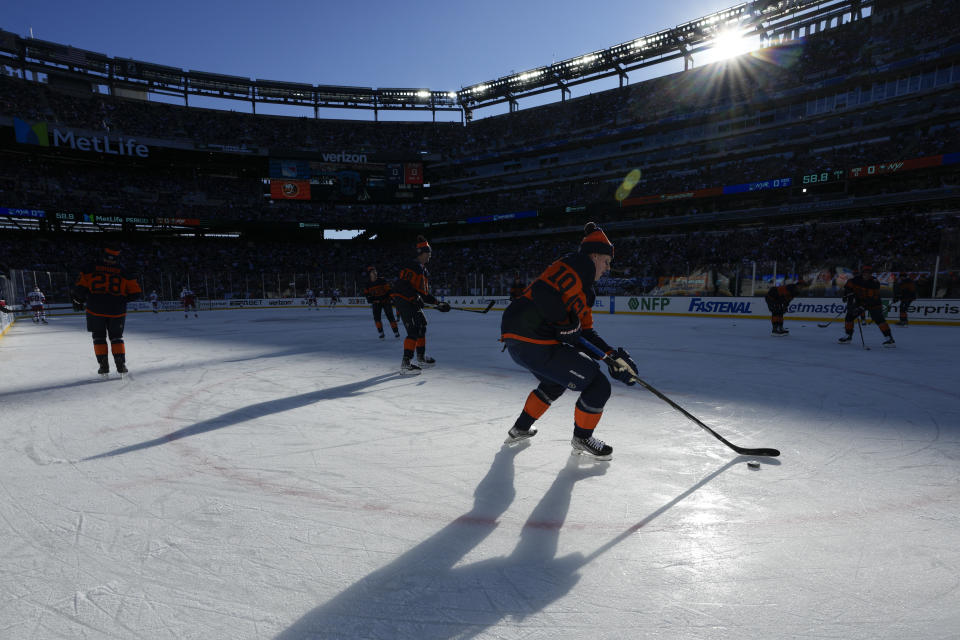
<point x="743" y="279"/>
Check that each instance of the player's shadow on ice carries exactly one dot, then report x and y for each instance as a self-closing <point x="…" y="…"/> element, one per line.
<point x="424" y="594"/>
<point x="154" y="371"/>
<point x="252" y="412"/>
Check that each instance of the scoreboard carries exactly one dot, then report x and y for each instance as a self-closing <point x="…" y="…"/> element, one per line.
<point x="821" y="177"/>
<point x="346" y="178"/>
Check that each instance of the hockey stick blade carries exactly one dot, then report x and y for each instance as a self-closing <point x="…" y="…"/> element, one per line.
<point x="826" y="324"/>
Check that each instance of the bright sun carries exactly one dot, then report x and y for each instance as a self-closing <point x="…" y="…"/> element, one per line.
<point x="730" y="44"/>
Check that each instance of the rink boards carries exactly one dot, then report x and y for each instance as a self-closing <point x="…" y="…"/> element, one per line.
<point x="926" y="311"/>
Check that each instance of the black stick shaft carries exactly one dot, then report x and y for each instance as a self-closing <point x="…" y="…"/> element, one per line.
<point x="863" y="342"/>
<point x="488" y="307"/>
<point x="741" y="450"/>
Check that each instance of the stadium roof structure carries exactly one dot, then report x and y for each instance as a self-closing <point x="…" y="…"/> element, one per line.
<point x="775" y="21"/>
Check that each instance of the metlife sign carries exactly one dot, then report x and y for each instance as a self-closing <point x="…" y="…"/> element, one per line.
<point x="40" y="135"/>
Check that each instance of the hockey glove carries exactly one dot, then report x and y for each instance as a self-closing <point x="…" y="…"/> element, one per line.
<point x="443" y="307"/>
<point x="77" y="305"/>
<point x="621" y="366"/>
<point x="848" y="298"/>
<point x="429" y="299"/>
<point x="569" y="332"/>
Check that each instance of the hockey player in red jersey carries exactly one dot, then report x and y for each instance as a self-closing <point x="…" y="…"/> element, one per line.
<point x="106" y="288"/>
<point x="778" y="300"/>
<point x="904" y="292"/>
<point x="543" y="329"/>
<point x="411" y="291"/>
<point x="377" y="292"/>
<point x="862" y="293"/>
<point x="517" y="287"/>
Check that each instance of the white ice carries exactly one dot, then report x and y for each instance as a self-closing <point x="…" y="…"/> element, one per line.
<point x="267" y="474"/>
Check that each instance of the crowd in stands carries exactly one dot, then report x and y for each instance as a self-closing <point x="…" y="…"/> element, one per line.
<point x="709" y="127"/>
<point x="678" y="120"/>
<point x="905" y="242"/>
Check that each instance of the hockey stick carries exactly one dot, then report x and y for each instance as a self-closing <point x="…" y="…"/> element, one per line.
<point x="834" y="319"/>
<point x="488" y="307"/>
<point x="741" y="450"/>
<point x="862" y="341"/>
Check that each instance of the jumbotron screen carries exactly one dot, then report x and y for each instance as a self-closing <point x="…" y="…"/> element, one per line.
<point x="348" y="178"/>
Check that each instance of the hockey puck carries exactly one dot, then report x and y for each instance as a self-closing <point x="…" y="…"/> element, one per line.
<point x="753" y="464"/>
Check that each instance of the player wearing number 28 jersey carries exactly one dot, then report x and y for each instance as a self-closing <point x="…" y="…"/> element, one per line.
<point x="105" y="288"/>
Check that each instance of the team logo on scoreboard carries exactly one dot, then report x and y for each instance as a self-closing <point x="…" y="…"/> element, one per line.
<point x="290" y="189"/>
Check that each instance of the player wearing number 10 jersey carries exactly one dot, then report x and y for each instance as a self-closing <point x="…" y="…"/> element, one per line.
<point x="106" y="288"/>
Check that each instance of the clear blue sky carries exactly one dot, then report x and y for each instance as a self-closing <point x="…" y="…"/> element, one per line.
<point x="422" y="44"/>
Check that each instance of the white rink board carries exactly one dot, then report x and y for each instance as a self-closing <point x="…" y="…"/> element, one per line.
<point x="926" y="311"/>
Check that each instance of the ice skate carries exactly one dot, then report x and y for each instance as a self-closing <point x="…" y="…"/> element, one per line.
<point x="889" y="343"/>
<point x="425" y="362"/>
<point x="381" y="335"/>
<point x="516" y="436"/>
<point x="591" y="447"/>
<point x="902" y="323"/>
<point x="845" y="339"/>
<point x="409" y="369"/>
<point x="43" y="320"/>
<point x="396" y="334"/>
<point x="104" y="370"/>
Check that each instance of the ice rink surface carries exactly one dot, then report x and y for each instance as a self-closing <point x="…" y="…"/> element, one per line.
<point x="267" y="474"/>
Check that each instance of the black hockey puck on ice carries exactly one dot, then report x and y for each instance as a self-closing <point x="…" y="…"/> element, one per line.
<point x="753" y="464"/>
